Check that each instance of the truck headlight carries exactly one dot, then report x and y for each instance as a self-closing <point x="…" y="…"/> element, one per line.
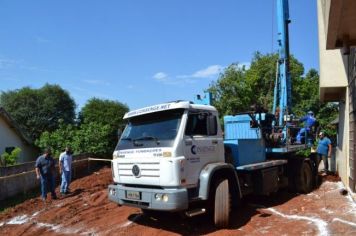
<point x="161" y="197"/>
<point x="158" y="196"/>
<point x="165" y="197"/>
<point x="112" y="192"/>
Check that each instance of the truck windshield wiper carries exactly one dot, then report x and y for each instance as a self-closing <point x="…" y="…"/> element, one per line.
<point x="147" y="138"/>
<point x="128" y="139"/>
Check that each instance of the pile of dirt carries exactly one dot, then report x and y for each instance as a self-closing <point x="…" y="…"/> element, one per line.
<point x="87" y="211"/>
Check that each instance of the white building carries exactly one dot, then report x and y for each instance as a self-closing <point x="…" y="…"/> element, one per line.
<point x="337" y="36"/>
<point x="11" y="136"/>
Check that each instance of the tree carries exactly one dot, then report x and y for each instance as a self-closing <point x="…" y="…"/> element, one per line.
<point x="238" y="88"/>
<point x="262" y="74"/>
<point x="103" y="111"/>
<point x="231" y="91"/>
<point x="96" y="133"/>
<point x="58" y="139"/>
<point x="39" y="110"/>
<point x="92" y="138"/>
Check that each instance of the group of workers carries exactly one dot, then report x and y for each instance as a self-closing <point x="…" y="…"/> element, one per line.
<point x="324" y="143"/>
<point x="45" y="172"/>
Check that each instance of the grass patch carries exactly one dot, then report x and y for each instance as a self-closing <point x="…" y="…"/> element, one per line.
<point x="6" y="204"/>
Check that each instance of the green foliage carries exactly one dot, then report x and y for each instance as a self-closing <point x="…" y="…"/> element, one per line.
<point x="238" y="88"/>
<point x="104" y="112"/>
<point x="262" y="74"/>
<point x="39" y="110"/>
<point x="96" y="133"/>
<point x="306" y="94"/>
<point x="58" y="139"/>
<point x="88" y="138"/>
<point x="94" y="138"/>
<point x="231" y="92"/>
<point x="8" y="159"/>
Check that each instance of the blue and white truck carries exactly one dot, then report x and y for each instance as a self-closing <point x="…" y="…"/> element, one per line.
<point x="176" y="157"/>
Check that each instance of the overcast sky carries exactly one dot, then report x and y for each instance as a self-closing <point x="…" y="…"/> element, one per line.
<point x="141" y="52"/>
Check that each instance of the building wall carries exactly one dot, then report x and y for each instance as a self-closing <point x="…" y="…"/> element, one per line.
<point x="333" y="75"/>
<point x="9" y="138"/>
<point x="324" y="6"/>
<point x="338" y="78"/>
<point x="352" y="118"/>
<point x="342" y="147"/>
<point x="333" y="87"/>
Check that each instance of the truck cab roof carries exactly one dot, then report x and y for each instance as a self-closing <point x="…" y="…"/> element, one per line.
<point x="168" y="106"/>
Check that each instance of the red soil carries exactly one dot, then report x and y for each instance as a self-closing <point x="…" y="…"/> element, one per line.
<point x="87" y="211"/>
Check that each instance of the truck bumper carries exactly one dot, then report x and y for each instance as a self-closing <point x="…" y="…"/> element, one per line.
<point x="175" y="199"/>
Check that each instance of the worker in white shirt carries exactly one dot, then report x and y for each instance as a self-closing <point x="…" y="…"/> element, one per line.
<point x="65" y="169"/>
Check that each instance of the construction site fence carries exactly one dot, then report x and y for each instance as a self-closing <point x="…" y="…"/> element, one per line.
<point x="20" y="179"/>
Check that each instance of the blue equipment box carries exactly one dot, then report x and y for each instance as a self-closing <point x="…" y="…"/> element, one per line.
<point x="245" y="143"/>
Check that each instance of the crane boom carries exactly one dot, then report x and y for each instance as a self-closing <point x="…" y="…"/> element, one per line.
<point x="283" y="86"/>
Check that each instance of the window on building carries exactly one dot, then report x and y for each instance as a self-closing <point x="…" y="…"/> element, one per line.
<point x="9" y="149"/>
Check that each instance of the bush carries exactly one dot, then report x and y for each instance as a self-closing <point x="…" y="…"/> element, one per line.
<point x="88" y="138"/>
<point x="8" y="159"/>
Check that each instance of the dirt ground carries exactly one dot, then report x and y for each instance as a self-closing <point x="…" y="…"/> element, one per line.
<point x="87" y="211"/>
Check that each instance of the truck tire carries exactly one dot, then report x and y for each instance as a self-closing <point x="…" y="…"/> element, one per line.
<point x="222" y="203"/>
<point x="304" y="179"/>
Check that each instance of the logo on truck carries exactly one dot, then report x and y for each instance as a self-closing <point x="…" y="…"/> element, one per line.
<point x="136" y="171"/>
<point x="202" y="149"/>
<point x="193" y="149"/>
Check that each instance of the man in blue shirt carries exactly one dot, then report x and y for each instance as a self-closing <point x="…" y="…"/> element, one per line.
<point x="324" y="150"/>
<point x="45" y="170"/>
<point x="309" y="120"/>
<point x="65" y="169"/>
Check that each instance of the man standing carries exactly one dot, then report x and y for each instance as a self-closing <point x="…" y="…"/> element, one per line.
<point x="324" y="150"/>
<point x="65" y="168"/>
<point x="45" y="170"/>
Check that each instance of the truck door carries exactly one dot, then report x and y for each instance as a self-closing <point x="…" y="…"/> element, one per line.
<point x="201" y="143"/>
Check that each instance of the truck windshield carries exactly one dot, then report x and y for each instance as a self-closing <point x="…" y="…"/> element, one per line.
<point x="151" y="130"/>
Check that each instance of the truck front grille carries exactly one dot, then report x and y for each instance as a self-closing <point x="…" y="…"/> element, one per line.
<point x="147" y="169"/>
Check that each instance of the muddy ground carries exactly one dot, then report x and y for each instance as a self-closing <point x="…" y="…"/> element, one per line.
<point x="87" y="211"/>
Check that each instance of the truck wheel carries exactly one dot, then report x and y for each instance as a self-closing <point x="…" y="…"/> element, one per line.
<point x="305" y="178"/>
<point x="222" y="203"/>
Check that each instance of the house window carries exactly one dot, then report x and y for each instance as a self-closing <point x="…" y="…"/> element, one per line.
<point x="9" y="149"/>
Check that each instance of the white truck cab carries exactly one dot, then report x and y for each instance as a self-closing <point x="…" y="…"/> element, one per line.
<point x="160" y="158"/>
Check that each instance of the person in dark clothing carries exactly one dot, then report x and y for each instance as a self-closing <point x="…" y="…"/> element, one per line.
<point x="45" y="171"/>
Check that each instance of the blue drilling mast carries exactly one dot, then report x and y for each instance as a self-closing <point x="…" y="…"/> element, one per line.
<point x="283" y="86"/>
